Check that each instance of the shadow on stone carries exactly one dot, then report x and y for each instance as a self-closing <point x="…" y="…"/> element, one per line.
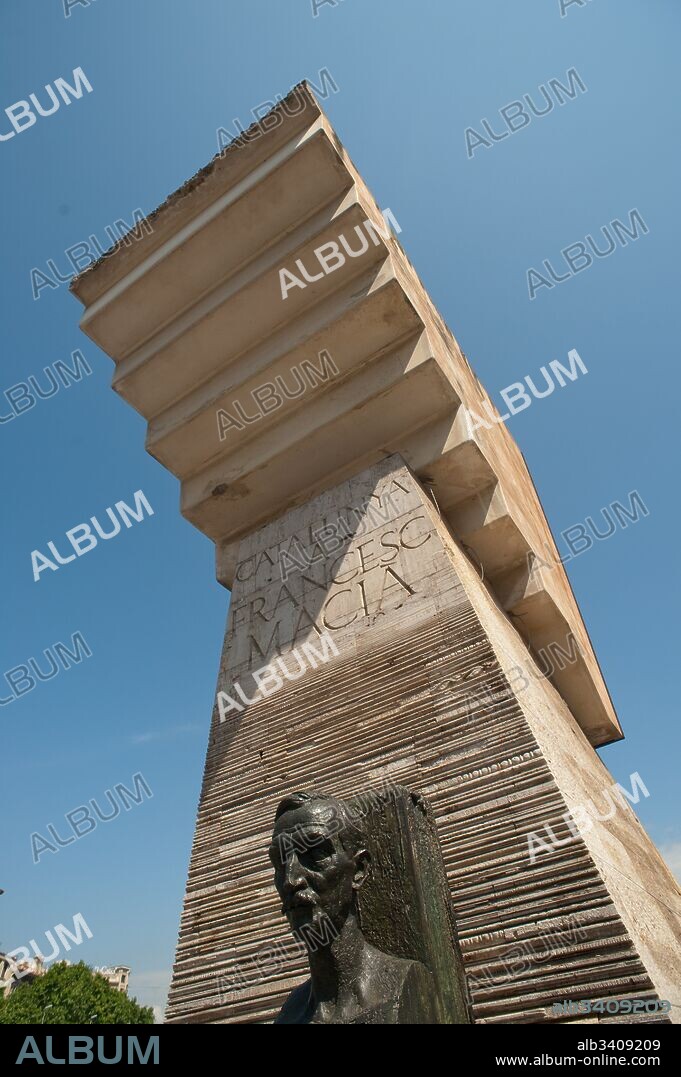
<point x="404" y="907"/>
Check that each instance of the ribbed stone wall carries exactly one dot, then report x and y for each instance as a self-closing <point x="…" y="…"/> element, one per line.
<point x="413" y="691"/>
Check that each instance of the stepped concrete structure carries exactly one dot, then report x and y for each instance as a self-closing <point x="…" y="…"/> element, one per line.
<point x="395" y="590"/>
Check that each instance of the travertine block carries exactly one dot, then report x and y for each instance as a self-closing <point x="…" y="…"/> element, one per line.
<point x="196" y="318"/>
<point x="425" y="683"/>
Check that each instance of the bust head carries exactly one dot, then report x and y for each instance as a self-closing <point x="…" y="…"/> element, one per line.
<point x="320" y="860"/>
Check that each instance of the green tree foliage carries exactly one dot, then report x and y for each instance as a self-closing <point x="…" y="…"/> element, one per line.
<point x="70" y="995"/>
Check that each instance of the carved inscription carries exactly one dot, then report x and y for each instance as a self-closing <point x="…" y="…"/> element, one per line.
<point x="354" y="571"/>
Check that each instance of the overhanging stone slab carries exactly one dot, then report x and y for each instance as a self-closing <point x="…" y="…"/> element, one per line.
<point x="374" y="318"/>
<point x="404" y="388"/>
<point x="193" y="312"/>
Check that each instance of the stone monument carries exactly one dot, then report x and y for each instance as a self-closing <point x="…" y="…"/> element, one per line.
<point x="394" y="585"/>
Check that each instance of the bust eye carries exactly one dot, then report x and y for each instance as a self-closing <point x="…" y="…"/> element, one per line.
<point x="312" y="859"/>
<point x="321" y="851"/>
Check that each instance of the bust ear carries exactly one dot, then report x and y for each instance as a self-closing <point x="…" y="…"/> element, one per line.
<point x="362" y="868"/>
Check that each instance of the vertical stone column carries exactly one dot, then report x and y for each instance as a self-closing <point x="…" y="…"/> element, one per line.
<point x="293" y="370"/>
<point x="383" y="658"/>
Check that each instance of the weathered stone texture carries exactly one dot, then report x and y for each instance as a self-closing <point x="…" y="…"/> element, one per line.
<point x="418" y="636"/>
<point x="193" y="316"/>
<point x="432" y="686"/>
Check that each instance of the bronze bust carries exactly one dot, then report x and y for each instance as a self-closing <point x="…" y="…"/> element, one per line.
<point x="320" y="862"/>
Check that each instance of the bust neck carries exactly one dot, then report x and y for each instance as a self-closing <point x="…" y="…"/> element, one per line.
<point x="336" y="968"/>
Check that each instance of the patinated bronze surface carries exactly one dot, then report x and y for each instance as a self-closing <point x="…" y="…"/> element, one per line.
<point x="321" y="860"/>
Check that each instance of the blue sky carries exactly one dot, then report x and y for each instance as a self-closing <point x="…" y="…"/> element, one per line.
<point x="411" y="78"/>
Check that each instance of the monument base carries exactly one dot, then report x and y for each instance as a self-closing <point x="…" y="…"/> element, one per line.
<point x="364" y="650"/>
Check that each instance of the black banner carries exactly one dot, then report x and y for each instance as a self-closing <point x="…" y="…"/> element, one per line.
<point x="506" y="1047"/>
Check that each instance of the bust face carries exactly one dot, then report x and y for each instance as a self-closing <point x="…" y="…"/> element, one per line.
<point x="315" y="876"/>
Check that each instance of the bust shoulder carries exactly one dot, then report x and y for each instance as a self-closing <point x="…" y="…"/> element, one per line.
<point x="297" y="1007"/>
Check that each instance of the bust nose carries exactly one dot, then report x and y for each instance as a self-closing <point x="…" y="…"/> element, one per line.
<point x="294" y="879"/>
